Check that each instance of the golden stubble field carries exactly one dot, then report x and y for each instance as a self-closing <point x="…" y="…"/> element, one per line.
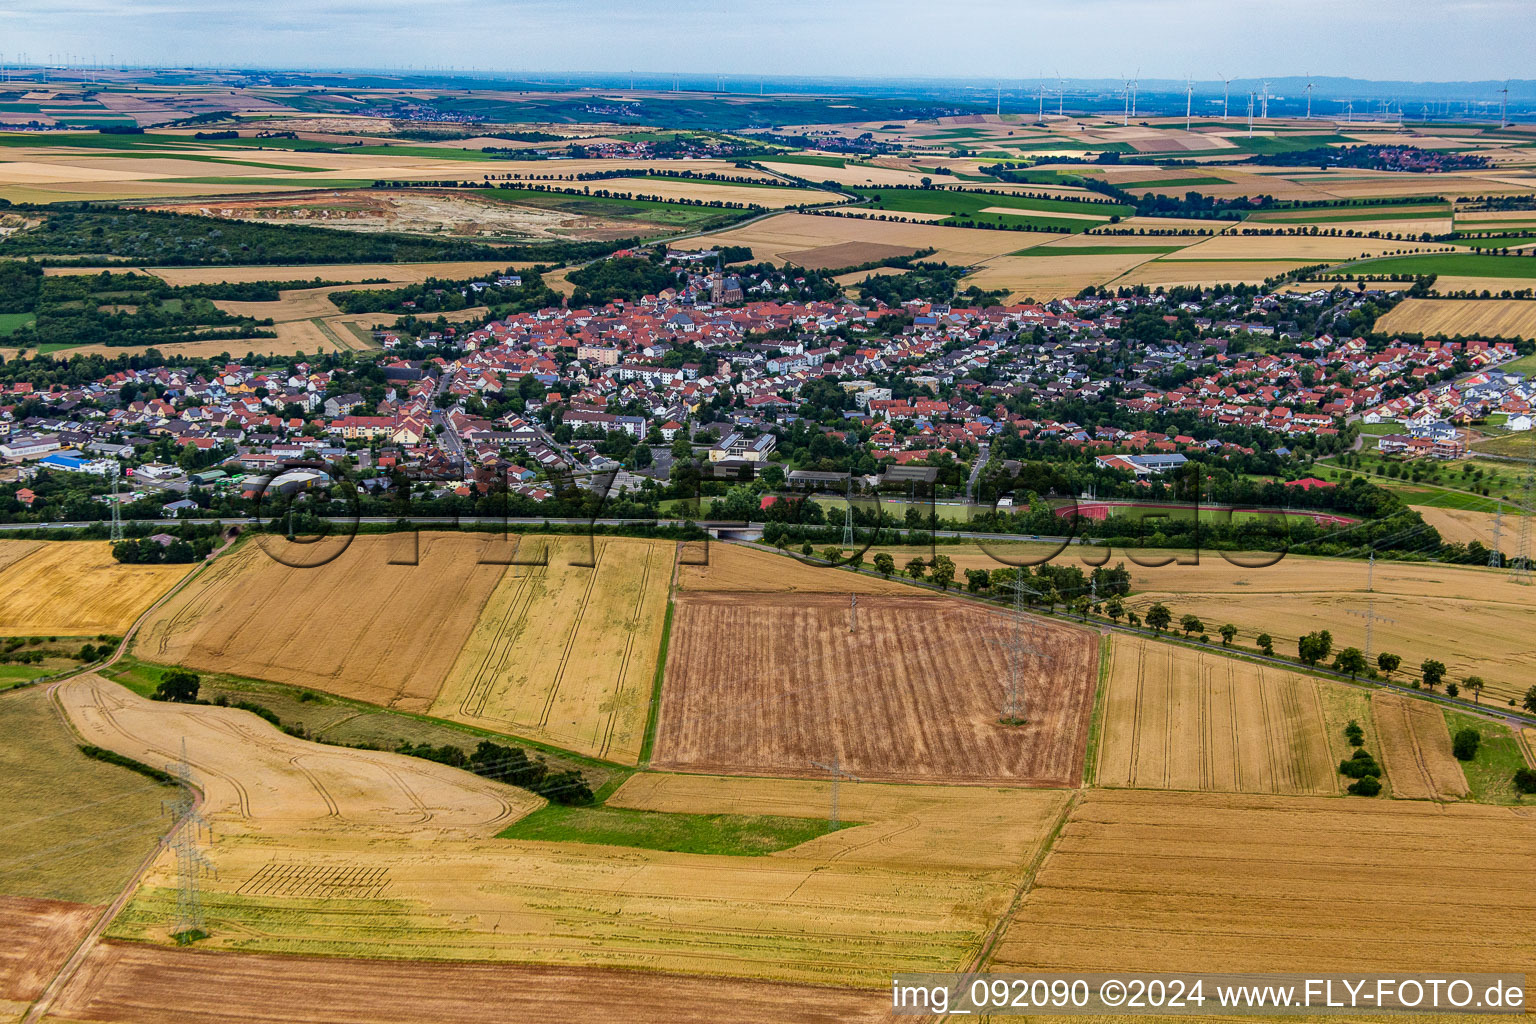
<point x="518" y="637"/>
<point x="1492" y="318"/>
<point x="775" y="238"/>
<point x="1176" y="718"/>
<point x="565" y="653"/>
<point x="916" y="885"/>
<point x="357" y="626"/>
<point x="1142" y="881"/>
<point x="1416" y="749"/>
<point x="75" y="588"/>
<point x="256" y="779"/>
<point x="1475" y="620"/>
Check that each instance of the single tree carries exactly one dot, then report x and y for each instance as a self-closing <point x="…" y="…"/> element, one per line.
<point x="977" y="580"/>
<point x="1191" y="624"/>
<point x="1465" y="743"/>
<point x="943" y="571"/>
<point x="1351" y="660"/>
<point x="1475" y="684"/>
<point x="1265" y="643"/>
<point x="1452" y="690"/>
<point x="806" y="549"/>
<point x="1525" y="780"/>
<point x="1529" y="703"/>
<point x="178" y="685"/>
<point x="1228" y="632"/>
<point x="832" y="556"/>
<point x="1114" y="609"/>
<point x="1158" y="617"/>
<point x="916" y="567"/>
<point x="1433" y="671"/>
<point x="885" y="564"/>
<point x="1388" y="663"/>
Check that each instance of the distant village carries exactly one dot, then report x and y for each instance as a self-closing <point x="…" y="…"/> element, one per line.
<point x="719" y="368"/>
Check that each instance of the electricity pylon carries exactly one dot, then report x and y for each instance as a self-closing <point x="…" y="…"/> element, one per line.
<point x="1017" y="644"/>
<point x="838" y="775"/>
<point x="117" y="512"/>
<point x="190" y="862"/>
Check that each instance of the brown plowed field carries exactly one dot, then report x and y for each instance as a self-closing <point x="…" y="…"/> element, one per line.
<point x="133" y="984"/>
<point x="1141" y="881"/>
<point x="1416" y="749"/>
<point x="1177" y="718"/>
<point x="357" y="626"/>
<point x="767" y="683"/>
<point x="39" y="936"/>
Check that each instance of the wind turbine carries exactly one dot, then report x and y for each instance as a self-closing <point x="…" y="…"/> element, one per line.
<point x="1226" y="93"/>
<point x="1504" y="106"/>
<point x="1061" y="92"/>
<point x="1126" y="90"/>
<point x="1250" y="113"/>
<point x="1135" y="85"/>
<point x="1041" y="118"/>
<point x="1264" y="115"/>
<point x="1189" y="101"/>
<point x="999" y="100"/>
<point x="1309" y="97"/>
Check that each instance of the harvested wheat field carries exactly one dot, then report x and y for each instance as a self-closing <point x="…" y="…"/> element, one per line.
<point x="1188" y="271"/>
<point x="76" y="588"/>
<point x="1176" y="718"/>
<point x="1498" y="318"/>
<point x="916" y="884"/>
<point x="13" y="551"/>
<point x="356" y="626"/>
<point x="39" y="937"/>
<point x="715" y="566"/>
<point x="1474" y="619"/>
<point x="1460" y="526"/>
<point x="1305" y="248"/>
<point x="1146" y="882"/>
<point x="1059" y="276"/>
<point x="673" y="189"/>
<point x="769" y="683"/>
<point x="775" y="238"/>
<point x="1416" y="749"/>
<point x="564" y="653"/>
<point x="130" y="983"/>
<point x="255" y="777"/>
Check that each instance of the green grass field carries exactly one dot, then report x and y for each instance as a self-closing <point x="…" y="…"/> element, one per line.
<point x="10" y="323"/>
<point x="1448" y="264"/>
<point x="1490" y="775"/>
<point x="728" y="834"/>
<point x="74" y="828"/>
<point x="1130" y="186"/>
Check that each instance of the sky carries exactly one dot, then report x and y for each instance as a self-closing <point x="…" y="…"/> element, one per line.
<point x="1411" y="40"/>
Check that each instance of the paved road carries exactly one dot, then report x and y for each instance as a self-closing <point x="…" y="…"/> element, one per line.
<point x="981" y="462"/>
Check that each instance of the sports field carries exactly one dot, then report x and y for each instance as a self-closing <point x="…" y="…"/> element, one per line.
<point x="1176" y="718"/>
<point x="75" y="588"/>
<point x="767" y="684"/>
<point x="564" y="653"/>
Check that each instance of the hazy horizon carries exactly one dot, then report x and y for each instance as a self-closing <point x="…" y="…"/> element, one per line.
<point x="1418" y="41"/>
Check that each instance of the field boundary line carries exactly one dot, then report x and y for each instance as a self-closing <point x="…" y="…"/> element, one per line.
<point x="1026" y="883"/>
<point x="1096" y="722"/>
